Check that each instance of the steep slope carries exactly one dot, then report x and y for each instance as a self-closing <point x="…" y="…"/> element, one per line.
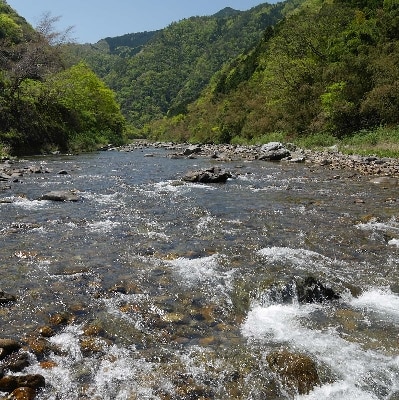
<point x="329" y="66"/>
<point x="13" y="27"/>
<point x="175" y="64"/>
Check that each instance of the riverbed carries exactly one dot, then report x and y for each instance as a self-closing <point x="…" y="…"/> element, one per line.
<point x="166" y="289"/>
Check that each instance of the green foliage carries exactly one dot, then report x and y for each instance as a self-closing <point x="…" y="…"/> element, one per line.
<point x="381" y="141"/>
<point x="9" y="28"/>
<point x="175" y="64"/>
<point x="327" y="70"/>
<point x="43" y="106"/>
<point x="86" y="97"/>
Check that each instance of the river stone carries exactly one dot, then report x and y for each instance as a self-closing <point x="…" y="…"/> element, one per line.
<point x="305" y="290"/>
<point x="16" y="362"/>
<point x="310" y="290"/>
<point x="46" y="331"/>
<point x="8" y="346"/>
<point x="90" y="345"/>
<point x="61" y="195"/>
<point x="273" y="151"/>
<point x="297" y="372"/>
<point x="6" y="298"/>
<point x="210" y="175"/>
<point x="11" y="382"/>
<point x="22" y="393"/>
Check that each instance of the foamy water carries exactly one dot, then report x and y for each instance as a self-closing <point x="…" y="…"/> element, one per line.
<point x="358" y="372"/>
<point x="184" y="278"/>
<point x="381" y="301"/>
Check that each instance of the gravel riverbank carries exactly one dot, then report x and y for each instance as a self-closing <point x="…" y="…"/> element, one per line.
<point x="279" y="152"/>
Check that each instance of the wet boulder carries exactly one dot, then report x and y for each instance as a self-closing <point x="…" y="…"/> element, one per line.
<point x="311" y="290"/>
<point x="16" y="362"/>
<point x="61" y="195"/>
<point x="22" y="393"/>
<point x="210" y="175"/>
<point x="303" y="290"/>
<point x="297" y="372"/>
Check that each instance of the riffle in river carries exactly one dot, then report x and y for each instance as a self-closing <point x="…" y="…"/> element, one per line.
<point x="281" y="283"/>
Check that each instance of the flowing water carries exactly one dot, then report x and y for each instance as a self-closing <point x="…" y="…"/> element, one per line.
<point x="178" y="280"/>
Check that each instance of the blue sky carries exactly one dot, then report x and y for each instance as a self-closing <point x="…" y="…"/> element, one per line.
<point x="95" y="19"/>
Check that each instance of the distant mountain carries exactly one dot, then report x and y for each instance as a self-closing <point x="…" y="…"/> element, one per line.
<point x="159" y="73"/>
<point x="132" y="41"/>
<point x="226" y="12"/>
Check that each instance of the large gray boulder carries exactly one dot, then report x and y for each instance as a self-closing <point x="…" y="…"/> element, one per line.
<point x="273" y="151"/>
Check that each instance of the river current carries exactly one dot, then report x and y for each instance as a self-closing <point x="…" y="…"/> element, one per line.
<point x="178" y="280"/>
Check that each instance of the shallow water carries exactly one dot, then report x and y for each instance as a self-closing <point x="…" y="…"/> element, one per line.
<point x="179" y="277"/>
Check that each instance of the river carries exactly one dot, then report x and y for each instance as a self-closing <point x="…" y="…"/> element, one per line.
<point x="170" y="290"/>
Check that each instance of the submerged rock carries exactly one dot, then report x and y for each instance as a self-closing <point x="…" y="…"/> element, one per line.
<point x="11" y="382"/>
<point x="297" y="372"/>
<point x="6" y="298"/>
<point x="61" y="195"/>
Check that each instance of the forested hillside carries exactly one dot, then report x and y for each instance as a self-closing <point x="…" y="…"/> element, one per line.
<point x="329" y="67"/>
<point x="45" y="106"/>
<point x="289" y="70"/>
<point x="159" y="73"/>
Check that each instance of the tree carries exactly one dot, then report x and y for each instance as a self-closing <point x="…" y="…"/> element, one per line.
<point x="35" y="57"/>
<point x="88" y="100"/>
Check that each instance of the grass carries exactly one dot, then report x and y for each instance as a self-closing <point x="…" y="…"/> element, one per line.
<point x="381" y="142"/>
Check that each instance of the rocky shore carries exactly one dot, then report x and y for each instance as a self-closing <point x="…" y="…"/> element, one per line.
<point x="329" y="158"/>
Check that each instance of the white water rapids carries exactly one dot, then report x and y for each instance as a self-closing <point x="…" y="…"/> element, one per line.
<point x="182" y="280"/>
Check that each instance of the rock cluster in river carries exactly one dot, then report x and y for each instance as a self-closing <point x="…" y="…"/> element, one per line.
<point x="14" y="359"/>
<point x="275" y="151"/>
<point x="9" y="173"/>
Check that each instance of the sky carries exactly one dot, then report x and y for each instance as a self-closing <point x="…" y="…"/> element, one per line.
<point x="93" y="20"/>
